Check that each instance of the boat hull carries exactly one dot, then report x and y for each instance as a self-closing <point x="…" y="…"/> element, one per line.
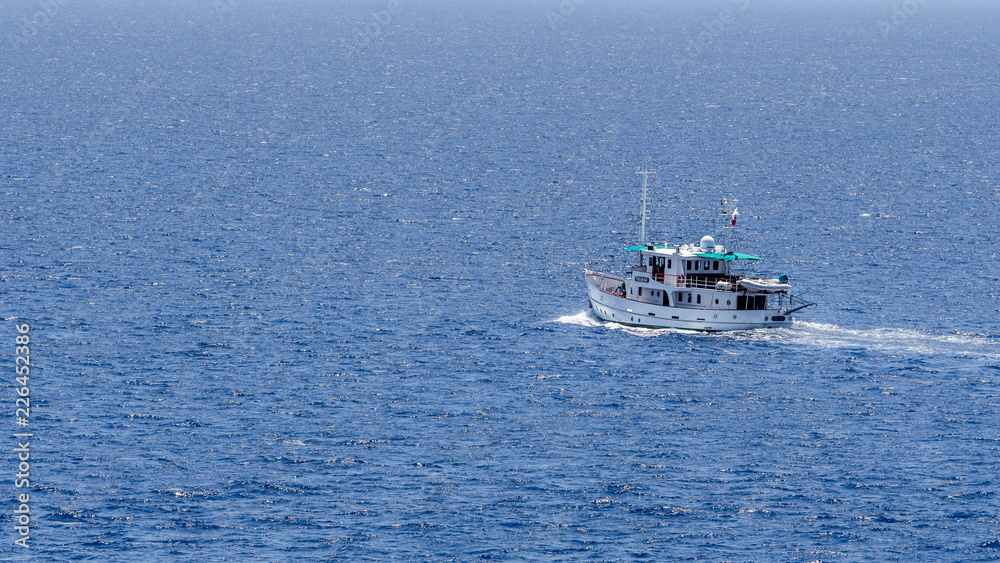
<point x="613" y="307"/>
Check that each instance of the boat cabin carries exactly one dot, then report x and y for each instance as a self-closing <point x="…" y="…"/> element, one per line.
<point x="690" y="276"/>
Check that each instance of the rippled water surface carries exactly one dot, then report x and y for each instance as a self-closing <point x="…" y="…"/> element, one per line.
<point x="305" y="280"/>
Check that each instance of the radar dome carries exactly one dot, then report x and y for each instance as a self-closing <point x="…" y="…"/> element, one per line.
<point x="707" y="243"/>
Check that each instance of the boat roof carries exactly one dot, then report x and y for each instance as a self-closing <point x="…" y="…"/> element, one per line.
<point x="645" y="247"/>
<point x="692" y="250"/>
<point x="728" y="256"/>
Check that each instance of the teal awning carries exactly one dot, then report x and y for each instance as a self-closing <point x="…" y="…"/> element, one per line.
<point x="729" y="256"/>
<point x="644" y="247"/>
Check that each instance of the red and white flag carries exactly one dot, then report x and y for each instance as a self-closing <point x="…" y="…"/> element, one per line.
<point x="732" y="218"/>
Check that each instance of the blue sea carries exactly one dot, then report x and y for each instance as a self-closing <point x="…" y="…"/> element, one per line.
<point x="304" y="280"/>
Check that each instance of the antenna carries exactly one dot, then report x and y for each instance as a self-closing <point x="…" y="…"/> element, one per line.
<point x="644" y="172"/>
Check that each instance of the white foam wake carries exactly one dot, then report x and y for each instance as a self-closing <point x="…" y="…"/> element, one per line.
<point x="913" y="341"/>
<point x="588" y="319"/>
<point x="583" y="318"/>
<point x="824" y="335"/>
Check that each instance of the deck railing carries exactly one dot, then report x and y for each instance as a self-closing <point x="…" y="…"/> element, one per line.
<point x="710" y="282"/>
<point x="613" y="285"/>
<point x="610" y="285"/>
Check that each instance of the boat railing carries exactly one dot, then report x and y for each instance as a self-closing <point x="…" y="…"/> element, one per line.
<point x="610" y="285"/>
<point x="710" y="282"/>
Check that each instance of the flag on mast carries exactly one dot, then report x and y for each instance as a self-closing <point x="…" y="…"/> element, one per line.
<point x="733" y="217"/>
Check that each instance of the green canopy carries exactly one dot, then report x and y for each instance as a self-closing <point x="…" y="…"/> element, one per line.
<point x="645" y="247"/>
<point x="729" y="256"/>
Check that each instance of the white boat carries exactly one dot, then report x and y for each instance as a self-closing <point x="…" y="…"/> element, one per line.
<point x="691" y="286"/>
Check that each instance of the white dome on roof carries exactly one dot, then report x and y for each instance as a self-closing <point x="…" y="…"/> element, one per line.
<point x="707" y="243"/>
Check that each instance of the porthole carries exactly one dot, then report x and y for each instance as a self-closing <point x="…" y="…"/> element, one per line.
<point x="716" y="301"/>
<point x="734" y="317"/>
<point x="715" y="316"/>
<point x="728" y="302"/>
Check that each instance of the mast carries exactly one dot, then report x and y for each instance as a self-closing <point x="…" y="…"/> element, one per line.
<point x="644" y="172"/>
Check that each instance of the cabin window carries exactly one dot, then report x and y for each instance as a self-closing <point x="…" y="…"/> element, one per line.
<point x="640" y="292"/>
<point x="689" y="297"/>
<point x="751" y="302"/>
<point x="699" y="299"/>
<point x="696" y="264"/>
<point x="688" y="264"/>
<point x="715" y="265"/>
<point x="668" y="264"/>
<point x="652" y="261"/>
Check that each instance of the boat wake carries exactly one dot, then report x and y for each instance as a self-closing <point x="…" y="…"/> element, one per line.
<point x="588" y="319"/>
<point x="583" y="318"/>
<point x="895" y="340"/>
<point x="830" y="336"/>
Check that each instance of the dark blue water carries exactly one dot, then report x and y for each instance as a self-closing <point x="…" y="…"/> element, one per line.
<point x="304" y="280"/>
